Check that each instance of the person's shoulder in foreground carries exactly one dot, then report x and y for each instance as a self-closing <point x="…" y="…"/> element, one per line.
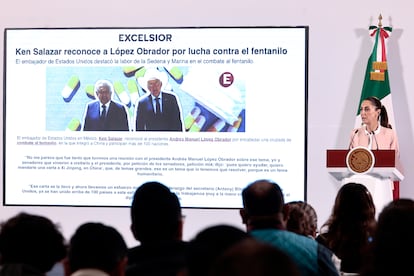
<point x="393" y="241"/>
<point x="250" y="257"/>
<point x="264" y="216"/>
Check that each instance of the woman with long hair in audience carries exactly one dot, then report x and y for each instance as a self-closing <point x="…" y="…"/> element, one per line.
<point x="349" y="230"/>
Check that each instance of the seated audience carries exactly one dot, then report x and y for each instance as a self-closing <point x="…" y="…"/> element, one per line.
<point x="208" y="244"/>
<point x="301" y="219"/>
<point x="250" y="257"/>
<point x="30" y="245"/>
<point x="349" y="229"/>
<point x="393" y="240"/>
<point x="157" y="223"/>
<point x="263" y="214"/>
<point x="96" y="250"/>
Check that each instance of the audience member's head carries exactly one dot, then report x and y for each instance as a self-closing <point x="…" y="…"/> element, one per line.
<point x="250" y="257"/>
<point x="353" y="210"/>
<point x="156" y="214"/>
<point x="393" y="240"/>
<point x="264" y="214"/>
<point x="301" y="218"/>
<point x="263" y="205"/>
<point x="97" y="246"/>
<point x="31" y="241"/>
<point x="353" y="202"/>
<point x="208" y="244"/>
<point x="350" y="227"/>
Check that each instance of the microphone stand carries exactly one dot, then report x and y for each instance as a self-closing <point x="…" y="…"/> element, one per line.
<point x="375" y="139"/>
<point x="352" y="139"/>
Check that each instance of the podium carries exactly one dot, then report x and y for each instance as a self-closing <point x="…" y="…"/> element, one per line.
<point x="379" y="180"/>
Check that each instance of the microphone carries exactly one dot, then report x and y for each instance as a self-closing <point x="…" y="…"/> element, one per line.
<point x="352" y="139"/>
<point x="375" y="139"/>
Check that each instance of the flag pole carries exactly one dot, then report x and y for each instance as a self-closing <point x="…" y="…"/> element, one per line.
<point x="376" y="81"/>
<point x="379" y="21"/>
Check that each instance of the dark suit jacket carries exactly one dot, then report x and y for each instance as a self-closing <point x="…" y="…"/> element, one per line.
<point x="116" y="117"/>
<point x="169" y="120"/>
<point x="165" y="258"/>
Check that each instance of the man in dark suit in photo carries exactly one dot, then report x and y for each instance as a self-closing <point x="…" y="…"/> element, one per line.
<point x="158" y="110"/>
<point x="104" y="113"/>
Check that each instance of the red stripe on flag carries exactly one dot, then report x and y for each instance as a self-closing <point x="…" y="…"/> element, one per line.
<point x="383" y="36"/>
<point x="396" y="190"/>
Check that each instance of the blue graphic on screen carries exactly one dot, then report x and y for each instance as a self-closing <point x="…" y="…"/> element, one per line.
<point x="204" y="104"/>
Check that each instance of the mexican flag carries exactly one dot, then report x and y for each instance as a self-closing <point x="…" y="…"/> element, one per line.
<point x="376" y="82"/>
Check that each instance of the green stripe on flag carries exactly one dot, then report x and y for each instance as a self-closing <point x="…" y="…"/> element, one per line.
<point x="379" y="89"/>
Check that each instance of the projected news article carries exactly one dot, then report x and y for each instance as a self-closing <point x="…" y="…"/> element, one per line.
<point x="238" y="96"/>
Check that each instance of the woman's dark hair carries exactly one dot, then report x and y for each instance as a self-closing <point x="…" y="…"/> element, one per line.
<point x="383" y="117"/>
<point x="351" y="225"/>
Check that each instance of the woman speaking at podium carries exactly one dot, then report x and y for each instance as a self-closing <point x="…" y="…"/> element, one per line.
<point x="375" y="133"/>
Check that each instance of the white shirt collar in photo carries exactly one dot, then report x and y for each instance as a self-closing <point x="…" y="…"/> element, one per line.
<point x="375" y="132"/>
<point x="159" y="97"/>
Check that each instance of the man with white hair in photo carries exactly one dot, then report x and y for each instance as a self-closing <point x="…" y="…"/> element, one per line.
<point x="157" y="110"/>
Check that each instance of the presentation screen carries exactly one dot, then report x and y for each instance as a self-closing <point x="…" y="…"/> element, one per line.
<point x="90" y="114"/>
